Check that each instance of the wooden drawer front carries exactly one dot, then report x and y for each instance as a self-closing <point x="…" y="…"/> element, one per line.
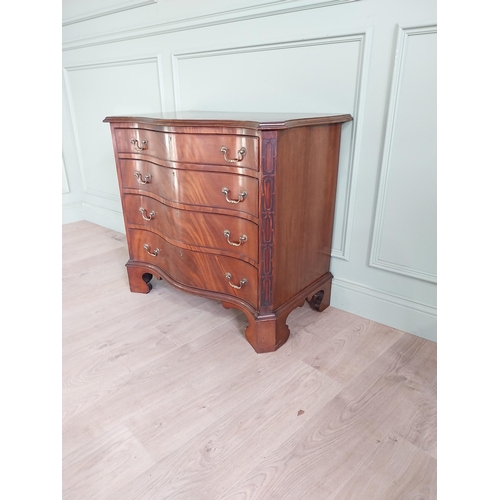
<point x="194" y="228"/>
<point x="196" y="269"/>
<point x="146" y="142"/>
<point x="191" y="148"/>
<point x="206" y="149"/>
<point x="192" y="187"/>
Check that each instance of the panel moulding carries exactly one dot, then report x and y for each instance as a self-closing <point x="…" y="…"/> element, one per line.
<point x="121" y="7"/>
<point x="364" y="39"/>
<point x="399" y="63"/>
<point x="216" y="18"/>
<point x="65" y="184"/>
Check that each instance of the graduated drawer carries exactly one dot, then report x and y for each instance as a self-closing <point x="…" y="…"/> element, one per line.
<point x="196" y="269"/>
<point x="194" y="228"/>
<point x="210" y="149"/>
<point x="192" y="187"/>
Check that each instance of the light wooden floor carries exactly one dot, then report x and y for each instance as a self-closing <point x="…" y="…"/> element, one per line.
<point x="163" y="398"/>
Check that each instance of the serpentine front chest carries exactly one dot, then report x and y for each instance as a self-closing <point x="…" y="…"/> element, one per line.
<point x="234" y="207"/>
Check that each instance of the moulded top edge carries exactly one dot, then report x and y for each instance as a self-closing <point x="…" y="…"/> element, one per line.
<point x="257" y="121"/>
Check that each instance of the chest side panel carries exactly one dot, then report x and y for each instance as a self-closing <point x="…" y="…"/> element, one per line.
<point x="306" y="182"/>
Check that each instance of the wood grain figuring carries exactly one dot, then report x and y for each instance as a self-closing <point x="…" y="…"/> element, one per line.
<point x="187" y="187"/>
<point x="194" y="229"/>
<point x="206" y="148"/>
<point x="189" y="148"/>
<point x="163" y="399"/>
<point x="306" y="182"/>
<point x="209" y="270"/>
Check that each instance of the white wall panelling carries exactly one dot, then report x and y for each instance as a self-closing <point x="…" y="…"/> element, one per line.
<point x="374" y="59"/>
<point x="178" y="16"/>
<point x="405" y="232"/>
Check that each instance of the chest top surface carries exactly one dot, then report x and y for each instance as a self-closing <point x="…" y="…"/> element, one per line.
<point x="248" y="120"/>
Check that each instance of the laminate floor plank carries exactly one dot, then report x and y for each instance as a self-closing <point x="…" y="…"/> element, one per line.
<point x="107" y="364"/>
<point x="397" y="470"/>
<point x="220" y="454"/>
<point x="91" y="320"/>
<point x="102" y="465"/>
<point x="318" y="460"/>
<point x="353" y="348"/>
<point x="163" y="397"/>
<point x="420" y="428"/>
<point x="193" y="322"/>
<point x="181" y="415"/>
<point x="150" y="383"/>
<point x="84" y="239"/>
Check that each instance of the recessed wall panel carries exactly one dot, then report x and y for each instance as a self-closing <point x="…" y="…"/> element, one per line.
<point x="97" y="91"/>
<point x="405" y="234"/>
<point x="314" y="77"/>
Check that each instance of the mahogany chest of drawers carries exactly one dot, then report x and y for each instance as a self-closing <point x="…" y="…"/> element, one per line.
<point x="233" y="207"/>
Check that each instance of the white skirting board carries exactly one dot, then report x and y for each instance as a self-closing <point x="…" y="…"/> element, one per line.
<point x="72" y="212"/>
<point x="93" y="213"/>
<point x="398" y="312"/>
<point x="104" y="217"/>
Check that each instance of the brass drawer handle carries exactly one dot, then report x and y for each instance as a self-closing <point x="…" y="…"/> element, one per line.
<point x="241" y="196"/>
<point x="138" y="176"/>
<point x="243" y="238"/>
<point x="243" y="282"/>
<point x="151" y="215"/>
<point x="139" y="147"/>
<point x="154" y="253"/>
<point x="241" y="153"/>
